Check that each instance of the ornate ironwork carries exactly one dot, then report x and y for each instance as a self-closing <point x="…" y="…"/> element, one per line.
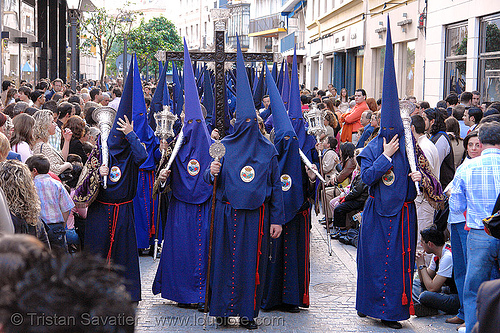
<point x="220" y="56"/>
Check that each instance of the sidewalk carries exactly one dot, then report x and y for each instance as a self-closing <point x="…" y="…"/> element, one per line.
<point x="332" y="296"/>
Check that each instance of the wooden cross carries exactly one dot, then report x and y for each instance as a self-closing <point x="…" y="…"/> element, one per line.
<point x="219" y="57"/>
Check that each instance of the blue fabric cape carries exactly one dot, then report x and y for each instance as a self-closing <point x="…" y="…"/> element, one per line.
<point x="193" y="157"/>
<point x="306" y="141"/>
<point x="246" y="147"/>
<point x="287" y="145"/>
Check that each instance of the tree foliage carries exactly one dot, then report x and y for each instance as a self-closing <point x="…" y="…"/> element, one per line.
<point x="159" y="33"/>
<point x="100" y="31"/>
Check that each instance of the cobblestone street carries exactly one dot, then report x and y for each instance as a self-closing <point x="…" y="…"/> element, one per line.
<point x="332" y="295"/>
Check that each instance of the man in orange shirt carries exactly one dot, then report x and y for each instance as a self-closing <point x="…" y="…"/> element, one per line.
<point x="351" y="119"/>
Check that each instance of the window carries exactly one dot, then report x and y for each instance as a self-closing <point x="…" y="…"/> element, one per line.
<point x="379" y="71"/>
<point x="10" y="11"/>
<point x="407" y="69"/>
<point x="455" y="58"/>
<point x="489" y="58"/>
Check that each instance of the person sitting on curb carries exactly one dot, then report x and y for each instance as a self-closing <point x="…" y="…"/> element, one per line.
<point x="440" y="292"/>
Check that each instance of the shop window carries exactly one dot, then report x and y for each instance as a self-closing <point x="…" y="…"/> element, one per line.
<point x="379" y="71"/>
<point x="455" y="58"/>
<point x="407" y="69"/>
<point x="489" y="58"/>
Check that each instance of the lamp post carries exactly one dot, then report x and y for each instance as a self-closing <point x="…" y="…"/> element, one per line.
<point x="126" y="19"/>
<point x="74" y="15"/>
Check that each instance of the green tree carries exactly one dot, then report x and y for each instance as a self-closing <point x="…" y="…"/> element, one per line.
<point x="101" y="30"/>
<point x="159" y="33"/>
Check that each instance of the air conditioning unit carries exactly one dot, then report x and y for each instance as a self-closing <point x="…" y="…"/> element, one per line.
<point x="275" y="48"/>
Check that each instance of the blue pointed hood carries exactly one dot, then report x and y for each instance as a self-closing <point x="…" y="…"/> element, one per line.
<point x="306" y="141"/>
<point x="209" y="100"/>
<point x="259" y="90"/>
<point x="193" y="157"/>
<point x="132" y="97"/>
<point x="160" y="98"/>
<point x="280" y="77"/>
<point x="389" y="199"/>
<point x="274" y="72"/>
<point x="285" y="90"/>
<point x="247" y="151"/>
<point x="178" y="95"/>
<point x="390" y="121"/>
<point x="287" y="146"/>
<point x="141" y="121"/>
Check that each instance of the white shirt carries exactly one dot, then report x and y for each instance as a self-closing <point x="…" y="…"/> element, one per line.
<point x="431" y="153"/>
<point x="445" y="264"/>
<point x="115" y="103"/>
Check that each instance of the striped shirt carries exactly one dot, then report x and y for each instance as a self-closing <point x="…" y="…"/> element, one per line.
<point x="54" y="198"/>
<point x="476" y="187"/>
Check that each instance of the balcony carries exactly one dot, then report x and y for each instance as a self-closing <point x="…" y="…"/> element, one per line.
<point x="295" y="38"/>
<point x="267" y="26"/>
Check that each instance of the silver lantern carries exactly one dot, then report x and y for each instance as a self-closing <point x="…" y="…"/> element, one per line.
<point x="316" y="120"/>
<point x="104" y="116"/>
<point x="165" y="120"/>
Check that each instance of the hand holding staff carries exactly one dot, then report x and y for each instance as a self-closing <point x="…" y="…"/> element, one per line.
<point x="217" y="151"/>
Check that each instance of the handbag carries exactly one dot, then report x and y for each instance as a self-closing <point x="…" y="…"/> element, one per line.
<point x="492" y="223"/>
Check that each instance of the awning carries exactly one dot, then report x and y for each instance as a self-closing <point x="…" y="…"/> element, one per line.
<point x="27" y="67"/>
<point x="267" y="33"/>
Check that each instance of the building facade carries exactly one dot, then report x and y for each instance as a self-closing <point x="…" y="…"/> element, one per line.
<point x="19" y="40"/>
<point x="462" y="49"/>
<point x="346" y="44"/>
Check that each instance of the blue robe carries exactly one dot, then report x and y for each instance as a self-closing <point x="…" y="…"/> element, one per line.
<point x="145" y="210"/>
<point x="111" y="217"/>
<point x="384" y="273"/>
<point x="145" y="207"/>
<point x="287" y="279"/>
<point x="241" y="248"/>
<point x="182" y="271"/>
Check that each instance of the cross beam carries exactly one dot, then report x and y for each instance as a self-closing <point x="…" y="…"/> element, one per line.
<point x="219" y="57"/>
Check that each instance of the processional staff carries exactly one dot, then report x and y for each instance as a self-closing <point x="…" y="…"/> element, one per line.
<point x="165" y="120"/>
<point x="316" y="120"/>
<point x="217" y="151"/>
<point x="104" y="116"/>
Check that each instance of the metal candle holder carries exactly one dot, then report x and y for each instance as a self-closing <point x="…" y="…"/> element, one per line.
<point x="165" y="120"/>
<point x="104" y="116"/>
<point x="406" y="108"/>
<point x="316" y="120"/>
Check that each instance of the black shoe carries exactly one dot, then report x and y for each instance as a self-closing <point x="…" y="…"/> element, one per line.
<point x="248" y="324"/>
<point x="392" y="324"/>
<point x="201" y="307"/>
<point x="338" y="234"/>
<point x="290" y="308"/>
<point x="345" y="240"/>
<point x="424" y="311"/>
<point x="361" y="314"/>
<point x="184" y="305"/>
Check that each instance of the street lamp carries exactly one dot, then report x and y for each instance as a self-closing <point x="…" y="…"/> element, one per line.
<point x="74" y="15"/>
<point x="126" y="19"/>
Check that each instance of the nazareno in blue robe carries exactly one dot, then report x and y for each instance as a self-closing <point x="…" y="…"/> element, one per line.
<point x="249" y="199"/>
<point x="387" y="239"/>
<point x="110" y="230"/>
<point x="241" y="247"/>
<point x="287" y="279"/>
<point x="384" y="272"/>
<point x="181" y="275"/>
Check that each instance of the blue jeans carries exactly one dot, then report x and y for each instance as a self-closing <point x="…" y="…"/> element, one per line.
<point x="57" y="237"/>
<point x="482" y="252"/>
<point x="459" y="250"/>
<point x="444" y="300"/>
